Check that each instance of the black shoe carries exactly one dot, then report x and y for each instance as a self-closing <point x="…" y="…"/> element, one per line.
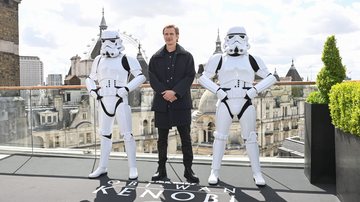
<point x="190" y="176"/>
<point x="160" y="175"/>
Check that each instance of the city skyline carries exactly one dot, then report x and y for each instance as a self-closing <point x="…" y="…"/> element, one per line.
<point x="279" y="31"/>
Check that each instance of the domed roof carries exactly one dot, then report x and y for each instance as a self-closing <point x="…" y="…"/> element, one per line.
<point x="207" y="102"/>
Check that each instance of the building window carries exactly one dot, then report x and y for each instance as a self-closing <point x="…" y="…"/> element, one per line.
<point x="84" y="116"/>
<point x="210" y="132"/>
<point x="204" y="136"/>
<point x="285" y="113"/>
<point x="48" y="119"/>
<point x="81" y="139"/>
<point x="68" y="96"/>
<point x="294" y="125"/>
<point x="57" y="141"/>
<point x="145" y="127"/>
<point x="88" y="137"/>
<point x="276" y="125"/>
<point x="267" y="140"/>
<point x="153" y="129"/>
<point x="276" y="138"/>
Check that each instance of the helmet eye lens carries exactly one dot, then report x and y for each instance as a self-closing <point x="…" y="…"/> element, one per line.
<point x="112" y="40"/>
<point x="230" y="36"/>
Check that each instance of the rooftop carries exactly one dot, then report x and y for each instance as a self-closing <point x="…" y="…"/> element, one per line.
<point x="61" y="175"/>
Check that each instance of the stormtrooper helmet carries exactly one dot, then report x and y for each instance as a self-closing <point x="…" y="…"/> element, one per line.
<point x="236" y="41"/>
<point x="111" y="44"/>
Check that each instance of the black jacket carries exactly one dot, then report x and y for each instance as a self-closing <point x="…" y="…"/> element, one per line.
<point x="167" y="77"/>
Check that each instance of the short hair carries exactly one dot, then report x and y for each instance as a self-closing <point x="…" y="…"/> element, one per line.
<point x="172" y="26"/>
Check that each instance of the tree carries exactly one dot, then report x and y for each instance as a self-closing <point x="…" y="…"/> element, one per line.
<point x="331" y="73"/>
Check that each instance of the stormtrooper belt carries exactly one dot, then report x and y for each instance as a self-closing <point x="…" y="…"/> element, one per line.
<point x="246" y="105"/>
<point x="99" y="97"/>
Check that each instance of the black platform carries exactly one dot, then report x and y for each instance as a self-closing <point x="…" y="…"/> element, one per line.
<point x="62" y="178"/>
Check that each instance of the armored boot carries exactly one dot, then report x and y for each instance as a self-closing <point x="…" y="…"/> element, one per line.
<point x="130" y="147"/>
<point x="252" y="150"/>
<point x="218" y="153"/>
<point x="105" y="147"/>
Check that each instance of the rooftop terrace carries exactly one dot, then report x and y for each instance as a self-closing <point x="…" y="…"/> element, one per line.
<point x="49" y="170"/>
<point x="61" y="175"/>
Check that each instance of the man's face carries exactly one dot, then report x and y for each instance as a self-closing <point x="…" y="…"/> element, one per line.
<point x="170" y="36"/>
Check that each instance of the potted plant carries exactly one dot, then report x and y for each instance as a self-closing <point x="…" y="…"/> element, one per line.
<point x="345" y="113"/>
<point x="319" y="131"/>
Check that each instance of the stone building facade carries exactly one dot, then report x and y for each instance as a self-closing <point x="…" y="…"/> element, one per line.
<point x="13" y="127"/>
<point x="9" y="43"/>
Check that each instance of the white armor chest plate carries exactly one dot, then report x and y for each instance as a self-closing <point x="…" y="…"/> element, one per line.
<point x="111" y="73"/>
<point x="112" y="69"/>
<point x="235" y="68"/>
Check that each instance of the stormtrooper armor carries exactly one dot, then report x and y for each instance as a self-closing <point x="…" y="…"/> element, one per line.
<point x="112" y="95"/>
<point x="235" y="91"/>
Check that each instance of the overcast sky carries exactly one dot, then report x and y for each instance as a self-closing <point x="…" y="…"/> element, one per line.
<point x="278" y="30"/>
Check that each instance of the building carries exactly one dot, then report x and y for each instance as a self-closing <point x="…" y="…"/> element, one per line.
<point x="31" y="71"/>
<point x="9" y="43"/>
<point x="13" y="126"/>
<point x="54" y="80"/>
<point x="31" y="74"/>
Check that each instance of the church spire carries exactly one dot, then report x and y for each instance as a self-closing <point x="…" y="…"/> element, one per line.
<point x="96" y="49"/>
<point x="292" y="64"/>
<point x="293" y="73"/>
<point x="218" y="44"/>
<point x="103" y="25"/>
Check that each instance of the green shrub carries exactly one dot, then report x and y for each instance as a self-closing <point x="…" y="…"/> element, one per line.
<point x="315" y="97"/>
<point x="345" y="107"/>
<point x="332" y="73"/>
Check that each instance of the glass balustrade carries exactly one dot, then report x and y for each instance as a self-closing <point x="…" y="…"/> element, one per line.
<point x="63" y="119"/>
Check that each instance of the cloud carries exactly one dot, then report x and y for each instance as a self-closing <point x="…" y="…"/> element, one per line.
<point x="148" y="9"/>
<point x="278" y="30"/>
<point x="35" y="38"/>
<point x="72" y="13"/>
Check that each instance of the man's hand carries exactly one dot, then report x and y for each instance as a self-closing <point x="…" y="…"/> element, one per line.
<point x="169" y="95"/>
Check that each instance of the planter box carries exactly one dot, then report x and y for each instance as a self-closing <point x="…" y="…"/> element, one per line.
<point x="319" y="145"/>
<point x="347" y="166"/>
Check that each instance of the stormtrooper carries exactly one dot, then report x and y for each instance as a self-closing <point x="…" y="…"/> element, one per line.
<point x="111" y="70"/>
<point x="236" y="70"/>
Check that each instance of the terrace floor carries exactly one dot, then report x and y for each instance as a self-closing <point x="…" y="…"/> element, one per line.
<point x="49" y="178"/>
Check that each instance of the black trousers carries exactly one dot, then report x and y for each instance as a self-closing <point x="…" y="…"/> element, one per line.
<point x="184" y="131"/>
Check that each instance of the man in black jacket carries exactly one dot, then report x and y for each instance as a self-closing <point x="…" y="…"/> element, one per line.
<point x="171" y="72"/>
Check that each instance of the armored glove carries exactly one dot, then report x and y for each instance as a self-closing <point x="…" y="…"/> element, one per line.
<point x="251" y="93"/>
<point x="122" y="92"/>
<point x="221" y="94"/>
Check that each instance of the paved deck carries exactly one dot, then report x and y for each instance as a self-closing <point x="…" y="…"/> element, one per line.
<point x="64" y="178"/>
